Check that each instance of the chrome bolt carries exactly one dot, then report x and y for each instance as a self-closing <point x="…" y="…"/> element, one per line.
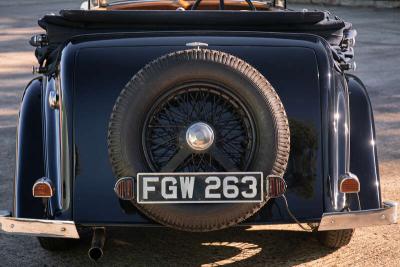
<point x="12" y="225"/>
<point x="383" y="217"/>
<point x="63" y="229"/>
<point x="53" y="100"/>
<point x="197" y="44"/>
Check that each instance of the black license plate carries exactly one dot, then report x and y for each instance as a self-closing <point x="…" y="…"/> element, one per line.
<point x="220" y="187"/>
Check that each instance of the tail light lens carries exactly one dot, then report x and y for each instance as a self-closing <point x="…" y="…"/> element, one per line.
<point x="349" y="184"/>
<point x="124" y="188"/>
<point x="275" y="186"/>
<point x="43" y="188"/>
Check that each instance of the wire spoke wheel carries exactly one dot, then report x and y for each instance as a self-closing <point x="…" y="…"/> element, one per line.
<point x="164" y="131"/>
<point x="198" y="110"/>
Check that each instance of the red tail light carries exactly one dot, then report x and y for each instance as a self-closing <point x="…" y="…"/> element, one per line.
<point x="350" y="184"/>
<point x="124" y="188"/>
<point x="275" y="186"/>
<point x="43" y="188"/>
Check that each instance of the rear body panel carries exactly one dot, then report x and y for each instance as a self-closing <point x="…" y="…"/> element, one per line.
<point x="101" y="70"/>
<point x="94" y="70"/>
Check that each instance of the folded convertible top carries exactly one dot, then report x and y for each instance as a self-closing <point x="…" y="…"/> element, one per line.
<point x="69" y="23"/>
<point x="73" y="22"/>
<point x="204" y="17"/>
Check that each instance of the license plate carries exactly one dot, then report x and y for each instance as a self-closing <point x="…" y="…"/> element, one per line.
<point x="217" y="187"/>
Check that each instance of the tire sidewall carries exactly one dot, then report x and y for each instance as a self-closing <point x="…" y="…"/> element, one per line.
<point x="158" y="78"/>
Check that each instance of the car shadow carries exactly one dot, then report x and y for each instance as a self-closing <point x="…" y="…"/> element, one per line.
<point x="239" y="246"/>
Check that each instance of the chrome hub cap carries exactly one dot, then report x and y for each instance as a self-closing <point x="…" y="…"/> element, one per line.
<point x="199" y="136"/>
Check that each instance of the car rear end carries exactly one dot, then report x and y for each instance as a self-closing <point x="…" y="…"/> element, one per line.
<point x="179" y="121"/>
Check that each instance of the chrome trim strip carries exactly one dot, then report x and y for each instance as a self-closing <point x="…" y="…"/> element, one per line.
<point x="53" y="100"/>
<point x="36" y="227"/>
<point x="65" y="171"/>
<point x="363" y="218"/>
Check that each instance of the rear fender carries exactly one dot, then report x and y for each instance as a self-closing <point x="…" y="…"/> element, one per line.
<point x="29" y="152"/>
<point x="363" y="155"/>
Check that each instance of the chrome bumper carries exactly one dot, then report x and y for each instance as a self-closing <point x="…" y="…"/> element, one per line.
<point x="354" y="219"/>
<point x="49" y="228"/>
<point x="329" y="221"/>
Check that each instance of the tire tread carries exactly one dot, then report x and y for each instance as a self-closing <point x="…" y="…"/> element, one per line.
<point x="335" y="238"/>
<point x="57" y="244"/>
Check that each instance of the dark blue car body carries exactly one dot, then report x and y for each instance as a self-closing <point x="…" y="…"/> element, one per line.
<point x="329" y="111"/>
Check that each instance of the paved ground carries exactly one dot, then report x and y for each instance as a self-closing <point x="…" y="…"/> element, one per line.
<point x="378" y="58"/>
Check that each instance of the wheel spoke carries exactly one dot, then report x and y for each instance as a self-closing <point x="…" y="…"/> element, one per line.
<point x="176" y="160"/>
<point x="166" y="126"/>
<point x="169" y="141"/>
<point x="199" y="102"/>
<point x="222" y="159"/>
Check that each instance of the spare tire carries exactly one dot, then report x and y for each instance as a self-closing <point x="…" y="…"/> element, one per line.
<point x="174" y="91"/>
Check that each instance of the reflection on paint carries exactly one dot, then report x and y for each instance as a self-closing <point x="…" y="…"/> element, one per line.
<point x="301" y="172"/>
<point x="336" y="116"/>
<point x="373" y="142"/>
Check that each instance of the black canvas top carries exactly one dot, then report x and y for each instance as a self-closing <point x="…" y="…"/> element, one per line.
<point x="197" y="17"/>
<point x="69" y="23"/>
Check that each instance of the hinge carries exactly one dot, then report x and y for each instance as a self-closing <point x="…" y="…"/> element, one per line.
<point x="39" y="40"/>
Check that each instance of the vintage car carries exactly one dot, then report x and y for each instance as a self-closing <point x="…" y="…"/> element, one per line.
<point x="195" y="115"/>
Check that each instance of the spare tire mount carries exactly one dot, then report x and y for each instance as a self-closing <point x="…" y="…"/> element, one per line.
<point x="183" y="100"/>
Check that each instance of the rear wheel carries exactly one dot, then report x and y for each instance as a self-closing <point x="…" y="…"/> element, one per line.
<point x="335" y="238"/>
<point x="57" y="244"/>
<point x="60" y="244"/>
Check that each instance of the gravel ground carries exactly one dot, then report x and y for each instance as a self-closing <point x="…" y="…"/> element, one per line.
<point x="378" y="58"/>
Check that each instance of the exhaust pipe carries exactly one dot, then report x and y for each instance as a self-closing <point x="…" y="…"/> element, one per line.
<point x="96" y="250"/>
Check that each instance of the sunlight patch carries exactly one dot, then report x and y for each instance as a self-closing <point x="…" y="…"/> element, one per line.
<point x="247" y="250"/>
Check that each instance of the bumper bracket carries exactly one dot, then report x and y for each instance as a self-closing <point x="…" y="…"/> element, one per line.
<point x="354" y="219"/>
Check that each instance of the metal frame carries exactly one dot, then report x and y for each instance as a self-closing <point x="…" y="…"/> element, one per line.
<point x="105" y="3"/>
<point x="221" y="5"/>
